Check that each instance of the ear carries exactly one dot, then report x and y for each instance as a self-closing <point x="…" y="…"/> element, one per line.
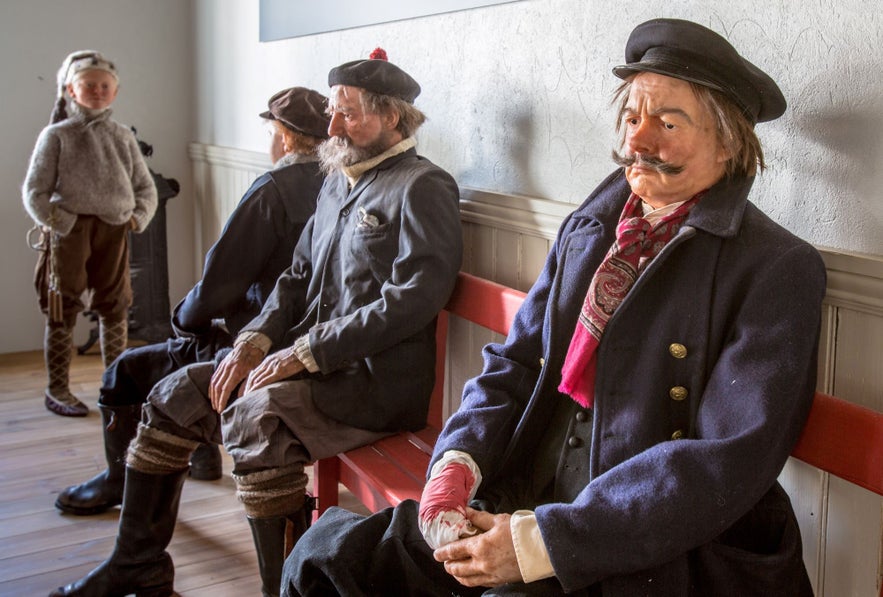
<point x="723" y="154"/>
<point x="391" y="120"/>
<point x="70" y="89"/>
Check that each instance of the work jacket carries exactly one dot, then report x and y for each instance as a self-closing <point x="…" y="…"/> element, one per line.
<point x="373" y="268"/>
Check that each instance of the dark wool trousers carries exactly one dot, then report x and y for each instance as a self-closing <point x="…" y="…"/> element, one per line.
<point x="383" y="554"/>
<point x="130" y="377"/>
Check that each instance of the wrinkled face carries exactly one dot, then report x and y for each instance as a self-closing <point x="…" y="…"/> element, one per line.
<point x="356" y="135"/>
<point x="350" y="121"/>
<point x="94" y="89"/>
<point x="672" y="139"/>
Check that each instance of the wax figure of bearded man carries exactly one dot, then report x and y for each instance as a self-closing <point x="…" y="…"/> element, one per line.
<point x="627" y="437"/>
<point x="342" y="354"/>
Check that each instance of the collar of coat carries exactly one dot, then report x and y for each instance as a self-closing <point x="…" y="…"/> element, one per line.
<point x="354" y="172"/>
<point x="719" y="212"/>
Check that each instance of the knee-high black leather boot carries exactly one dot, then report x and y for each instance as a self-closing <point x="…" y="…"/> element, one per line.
<point x="105" y="490"/>
<point x="274" y="537"/>
<point x="139" y="562"/>
<point x="206" y="463"/>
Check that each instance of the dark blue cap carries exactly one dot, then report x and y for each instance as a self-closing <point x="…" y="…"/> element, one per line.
<point x="689" y="51"/>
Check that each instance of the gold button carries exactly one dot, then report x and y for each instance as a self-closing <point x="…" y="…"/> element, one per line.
<point x="678" y="351"/>
<point x="677" y="434"/>
<point x="678" y="393"/>
<point x="542" y="362"/>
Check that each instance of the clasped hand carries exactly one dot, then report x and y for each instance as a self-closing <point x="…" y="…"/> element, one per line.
<point x="246" y="361"/>
<point x="484" y="560"/>
<point x="476" y="547"/>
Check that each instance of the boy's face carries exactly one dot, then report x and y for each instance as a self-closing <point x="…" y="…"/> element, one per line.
<point x="94" y="89"/>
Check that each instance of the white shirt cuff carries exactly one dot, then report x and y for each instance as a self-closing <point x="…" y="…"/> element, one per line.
<point x="530" y="551"/>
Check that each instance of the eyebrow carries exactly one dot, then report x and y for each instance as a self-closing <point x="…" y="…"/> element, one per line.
<point x="662" y="112"/>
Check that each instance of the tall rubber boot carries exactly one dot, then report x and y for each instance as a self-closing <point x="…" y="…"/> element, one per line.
<point x="57" y="349"/>
<point x="274" y="537"/>
<point x="206" y="463"/>
<point x="113" y="337"/>
<point x="105" y="490"/>
<point x="139" y="562"/>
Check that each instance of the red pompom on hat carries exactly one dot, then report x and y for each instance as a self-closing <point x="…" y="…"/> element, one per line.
<point x="376" y="74"/>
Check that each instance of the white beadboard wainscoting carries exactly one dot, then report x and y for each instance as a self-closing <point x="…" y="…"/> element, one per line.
<point x="507" y="238"/>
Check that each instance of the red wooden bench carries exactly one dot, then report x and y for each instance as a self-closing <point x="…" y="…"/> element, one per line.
<point x="841" y="438"/>
<point x="394" y="469"/>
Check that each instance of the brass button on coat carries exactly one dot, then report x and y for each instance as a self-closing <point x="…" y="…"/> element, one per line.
<point x="678" y="351"/>
<point x="574" y="442"/>
<point x="679" y="434"/>
<point x="678" y="393"/>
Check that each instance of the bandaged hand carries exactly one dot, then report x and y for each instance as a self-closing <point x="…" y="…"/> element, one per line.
<point x="442" y="515"/>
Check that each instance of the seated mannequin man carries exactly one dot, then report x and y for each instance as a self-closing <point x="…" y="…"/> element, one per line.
<point x="626" y="438"/>
<point x="240" y="271"/>
<point x="342" y="354"/>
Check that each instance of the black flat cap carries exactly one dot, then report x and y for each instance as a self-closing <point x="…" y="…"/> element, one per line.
<point x="689" y="51"/>
<point x="377" y="75"/>
<point x="300" y="109"/>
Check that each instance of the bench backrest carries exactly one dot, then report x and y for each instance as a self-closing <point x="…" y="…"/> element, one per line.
<point x="844" y="439"/>
<point x="482" y="302"/>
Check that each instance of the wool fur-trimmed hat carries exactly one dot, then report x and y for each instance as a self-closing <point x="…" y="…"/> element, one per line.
<point x="76" y="63"/>
<point x="377" y="75"/>
<point x="300" y="109"/>
<point x="688" y="51"/>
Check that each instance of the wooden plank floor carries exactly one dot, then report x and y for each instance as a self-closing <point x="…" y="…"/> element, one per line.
<point x="41" y="453"/>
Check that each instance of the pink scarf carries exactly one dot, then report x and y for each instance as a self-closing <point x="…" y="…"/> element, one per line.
<point x="635" y="246"/>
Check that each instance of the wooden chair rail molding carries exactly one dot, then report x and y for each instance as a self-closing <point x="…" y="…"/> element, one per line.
<point x="841" y="438"/>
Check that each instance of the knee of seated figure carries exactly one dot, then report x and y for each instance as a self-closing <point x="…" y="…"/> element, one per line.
<point x="157" y="452"/>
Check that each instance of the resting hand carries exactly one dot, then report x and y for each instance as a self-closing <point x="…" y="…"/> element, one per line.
<point x="485" y="560"/>
<point x="276" y="367"/>
<point x="442" y="518"/>
<point x="233" y="369"/>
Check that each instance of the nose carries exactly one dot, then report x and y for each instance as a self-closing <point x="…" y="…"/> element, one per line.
<point x="335" y="125"/>
<point x="640" y="138"/>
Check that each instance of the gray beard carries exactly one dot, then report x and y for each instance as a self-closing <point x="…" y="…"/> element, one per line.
<point x="339" y="152"/>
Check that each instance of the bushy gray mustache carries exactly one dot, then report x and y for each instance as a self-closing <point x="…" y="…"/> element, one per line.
<point x="646" y="161"/>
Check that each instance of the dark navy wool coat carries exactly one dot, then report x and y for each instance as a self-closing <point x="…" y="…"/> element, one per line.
<point x="254" y="248"/>
<point x="705" y="377"/>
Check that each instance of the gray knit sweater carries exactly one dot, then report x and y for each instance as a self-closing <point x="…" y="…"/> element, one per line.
<point x="88" y="164"/>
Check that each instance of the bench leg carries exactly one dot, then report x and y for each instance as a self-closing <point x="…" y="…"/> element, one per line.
<point x="326" y="475"/>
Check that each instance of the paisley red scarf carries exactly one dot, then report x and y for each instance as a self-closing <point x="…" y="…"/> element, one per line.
<point x="637" y="243"/>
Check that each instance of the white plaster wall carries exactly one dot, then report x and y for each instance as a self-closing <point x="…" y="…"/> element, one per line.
<point x="518" y="94"/>
<point x="151" y="42"/>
